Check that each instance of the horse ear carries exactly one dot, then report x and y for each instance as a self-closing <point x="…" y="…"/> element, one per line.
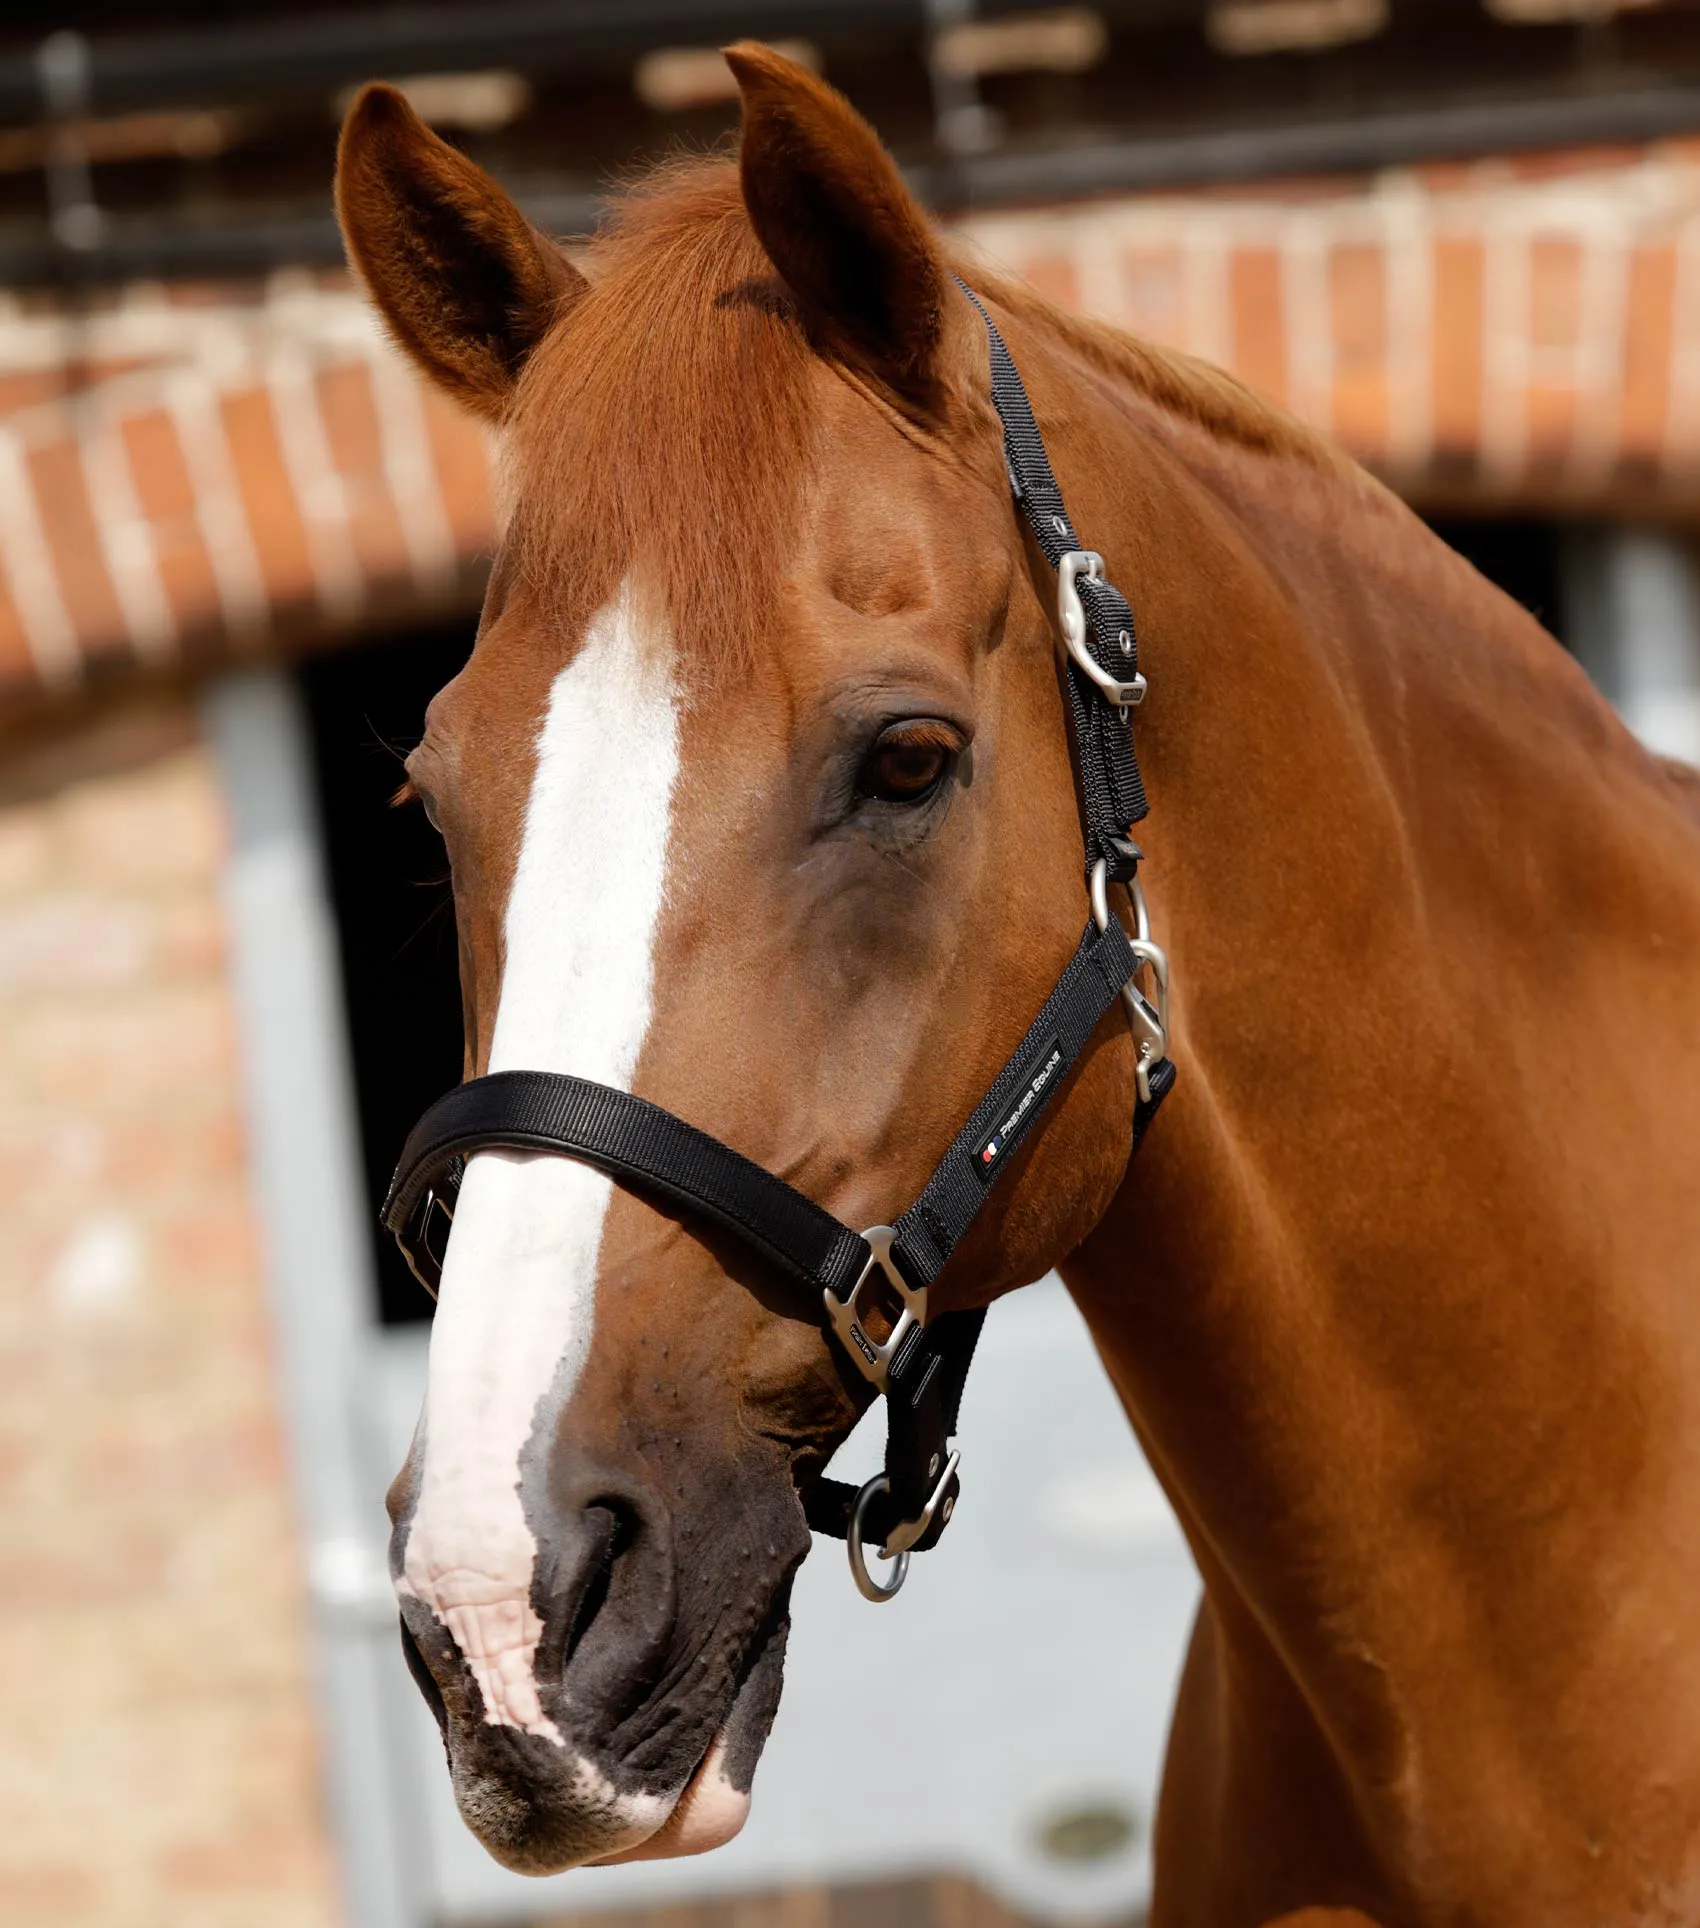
<point x="467" y="285"/>
<point x="837" y="221"/>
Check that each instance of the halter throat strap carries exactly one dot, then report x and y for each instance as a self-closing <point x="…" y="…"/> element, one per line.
<point x="870" y="1289"/>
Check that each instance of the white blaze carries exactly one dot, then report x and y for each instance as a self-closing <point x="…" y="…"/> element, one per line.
<point x="515" y="1305"/>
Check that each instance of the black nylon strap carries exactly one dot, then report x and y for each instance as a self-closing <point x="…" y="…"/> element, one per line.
<point x="1162" y="1081"/>
<point x="917" y="1430"/>
<point x="658" y="1153"/>
<point x="933" y="1226"/>
<point x="1112" y="792"/>
<point x="636" y="1142"/>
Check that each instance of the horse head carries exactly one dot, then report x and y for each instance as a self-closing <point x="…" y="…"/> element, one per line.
<point x="757" y="794"/>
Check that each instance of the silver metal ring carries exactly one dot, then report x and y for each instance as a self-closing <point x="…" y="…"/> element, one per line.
<point x="1098" y="889"/>
<point x="1148" y="1020"/>
<point x="866" y="1584"/>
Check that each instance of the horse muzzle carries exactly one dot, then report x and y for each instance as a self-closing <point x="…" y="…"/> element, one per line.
<point x="630" y="1725"/>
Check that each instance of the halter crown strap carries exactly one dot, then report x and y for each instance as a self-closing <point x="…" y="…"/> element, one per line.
<point x="920" y="1366"/>
<point x="1112" y="796"/>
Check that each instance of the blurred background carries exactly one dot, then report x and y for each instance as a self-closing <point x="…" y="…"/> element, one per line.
<point x="240" y="546"/>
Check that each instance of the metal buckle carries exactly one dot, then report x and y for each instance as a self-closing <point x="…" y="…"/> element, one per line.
<point x="902" y="1538"/>
<point x="1149" y="1020"/>
<point x="873" y="1357"/>
<point x="1071" y="621"/>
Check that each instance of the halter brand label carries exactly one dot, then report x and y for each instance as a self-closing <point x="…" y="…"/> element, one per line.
<point x="989" y="1154"/>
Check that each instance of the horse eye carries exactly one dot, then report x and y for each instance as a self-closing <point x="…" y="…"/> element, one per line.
<point x="410" y="792"/>
<point x="907" y="763"/>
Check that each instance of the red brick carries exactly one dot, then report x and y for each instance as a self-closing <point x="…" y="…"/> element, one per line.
<point x="1559" y="163"/>
<point x="1457" y="370"/>
<point x="269" y="501"/>
<point x="141" y="1159"/>
<point x="351" y="426"/>
<point x="1555" y="293"/>
<point x="1358" y="311"/>
<point x="141" y="1464"/>
<point x="168" y="501"/>
<point x="61" y="942"/>
<point x="127" y="1056"/>
<point x="26" y="848"/>
<point x="235" y="1868"/>
<point x="46" y="1894"/>
<point x="1551" y="411"/>
<point x="1055" y="276"/>
<point x="165" y="827"/>
<point x="1153" y="288"/>
<point x="56" y="471"/>
<point x="17" y="656"/>
<point x="461" y="459"/>
<point x="1258" y="326"/>
<point x="190" y="938"/>
<point x="1648" y="339"/>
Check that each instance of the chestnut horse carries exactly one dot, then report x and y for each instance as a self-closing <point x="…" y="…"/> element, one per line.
<point x="758" y="798"/>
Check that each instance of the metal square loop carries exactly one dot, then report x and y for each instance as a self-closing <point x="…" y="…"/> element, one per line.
<point x="1148" y="1018"/>
<point x="874" y="1356"/>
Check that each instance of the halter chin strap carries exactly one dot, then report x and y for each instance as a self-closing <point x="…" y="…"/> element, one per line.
<point x="869" y="1289"/>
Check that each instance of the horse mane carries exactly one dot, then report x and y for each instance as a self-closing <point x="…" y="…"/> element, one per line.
<point x="666" y="421"/>
<point x="1179" y="384"/>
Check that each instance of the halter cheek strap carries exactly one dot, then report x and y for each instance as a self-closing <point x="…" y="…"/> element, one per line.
<point x="869" y="1289"/>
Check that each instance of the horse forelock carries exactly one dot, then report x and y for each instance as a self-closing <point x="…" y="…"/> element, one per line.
<point x="663" y="430"/>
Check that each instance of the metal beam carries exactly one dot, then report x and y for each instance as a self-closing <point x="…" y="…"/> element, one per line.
<point x="319" y="53"/>
<point x="300" y="1106"/>
<point x="1457" y="130"/>
<point x="1460" y="131"/>
<point x="1632" y="613"/>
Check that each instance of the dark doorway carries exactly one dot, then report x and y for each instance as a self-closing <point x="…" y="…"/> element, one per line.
<point x="395" y="916"/>
<point x="1520" y="556"/>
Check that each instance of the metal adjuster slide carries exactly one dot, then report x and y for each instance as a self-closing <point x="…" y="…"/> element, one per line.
<point x="1149" y="1020"/>
<point x="432" y="1202"/>
<point x="874" y="1356"/>
<point x="1071" y="621"/>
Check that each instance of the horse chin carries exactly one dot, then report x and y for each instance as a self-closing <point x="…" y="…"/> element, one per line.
<point x="715" y="1801"/>
<point x="540" y="1806"/>
<point x="706" y="1815"/>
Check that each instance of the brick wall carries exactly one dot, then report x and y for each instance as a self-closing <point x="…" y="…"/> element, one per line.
<point x="159" y="1768"/>
<point x="195" y="473"/>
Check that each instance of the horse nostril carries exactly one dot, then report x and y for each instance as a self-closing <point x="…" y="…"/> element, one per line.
<point x="611" y="1526"/>
<point x="424" y="1679"/>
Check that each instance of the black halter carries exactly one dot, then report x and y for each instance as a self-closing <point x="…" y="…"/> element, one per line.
<point x="842" y="1275"/>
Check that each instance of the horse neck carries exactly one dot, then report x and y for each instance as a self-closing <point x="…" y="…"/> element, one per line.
<point x="1359" y="1291"/>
